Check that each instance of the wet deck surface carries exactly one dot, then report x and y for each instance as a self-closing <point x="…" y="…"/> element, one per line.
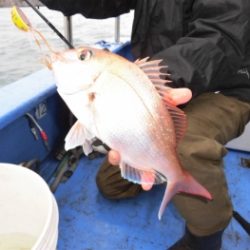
<point x="90" y="222"/>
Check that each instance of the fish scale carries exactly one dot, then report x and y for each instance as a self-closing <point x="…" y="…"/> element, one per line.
<point x="127" y="112"/>
<point x="128" y="106"/>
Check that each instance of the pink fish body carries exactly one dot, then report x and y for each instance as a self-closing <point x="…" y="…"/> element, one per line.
<point x="125" y="105"/>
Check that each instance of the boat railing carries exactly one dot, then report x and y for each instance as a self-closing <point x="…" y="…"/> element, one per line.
<point x="68" y="28"/>
<point x="19" y="97"/>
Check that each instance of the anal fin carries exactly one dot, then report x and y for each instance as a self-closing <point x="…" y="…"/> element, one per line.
<point x="140" y="175"/>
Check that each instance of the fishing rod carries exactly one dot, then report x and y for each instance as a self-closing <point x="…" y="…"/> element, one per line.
<point x="50" y="24"/>
<point x="242" y="221"/>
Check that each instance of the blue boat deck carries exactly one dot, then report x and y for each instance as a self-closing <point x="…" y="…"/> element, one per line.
<point x="90" y="222"/>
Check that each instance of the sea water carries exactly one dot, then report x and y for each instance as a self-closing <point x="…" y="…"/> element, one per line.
<point x="19" y="56"/>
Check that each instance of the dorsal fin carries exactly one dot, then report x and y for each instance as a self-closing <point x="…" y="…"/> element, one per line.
<point x="138" y="61"/>
<point x="177" y="115"/>
<point x="179" y="119"/>
<point x="153" y="70"/>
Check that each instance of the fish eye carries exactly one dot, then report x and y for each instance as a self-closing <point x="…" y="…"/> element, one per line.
<point x="85" y="54"/>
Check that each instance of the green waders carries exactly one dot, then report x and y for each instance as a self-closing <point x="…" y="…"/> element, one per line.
<point x="213" y="120"/>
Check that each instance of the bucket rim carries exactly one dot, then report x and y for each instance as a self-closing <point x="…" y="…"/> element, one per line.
<point x="52" y="202"/>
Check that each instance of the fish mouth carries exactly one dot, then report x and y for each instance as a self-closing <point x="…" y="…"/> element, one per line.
<point x="55" y="56"/>
<point x="49" y="56"/>
<point x="48" y="60"/>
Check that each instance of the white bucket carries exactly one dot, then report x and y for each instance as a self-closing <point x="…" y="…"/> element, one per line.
<point x="28" y="210"/>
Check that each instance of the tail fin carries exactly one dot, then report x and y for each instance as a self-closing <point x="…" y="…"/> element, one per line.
<point x="186" y="185"/>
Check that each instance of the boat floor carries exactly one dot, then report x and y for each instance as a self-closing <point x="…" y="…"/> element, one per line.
<point x="88" y="221"/>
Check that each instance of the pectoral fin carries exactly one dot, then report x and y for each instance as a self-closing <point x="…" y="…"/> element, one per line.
<point x="78" y="135"/>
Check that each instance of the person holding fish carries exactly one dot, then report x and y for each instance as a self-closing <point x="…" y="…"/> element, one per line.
<point x="204" y="46"/>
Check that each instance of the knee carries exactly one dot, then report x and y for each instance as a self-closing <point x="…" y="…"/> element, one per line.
<point x="111" y="184"/>
<point x="105" y="188"/>
<point x="205" y="218"/>
<point x="105" y="180"/>
<point x="196" y="146"/>
<point x="203" y="158"/>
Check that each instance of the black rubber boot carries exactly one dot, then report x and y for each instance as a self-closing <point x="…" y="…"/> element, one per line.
<point x="192" y="242"/>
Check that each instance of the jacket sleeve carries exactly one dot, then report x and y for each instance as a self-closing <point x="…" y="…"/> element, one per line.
<point x="213" y="48"/>
<point x="97" y="9"/>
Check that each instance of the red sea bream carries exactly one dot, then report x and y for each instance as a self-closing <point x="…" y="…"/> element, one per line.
<point x="125" y="105"/>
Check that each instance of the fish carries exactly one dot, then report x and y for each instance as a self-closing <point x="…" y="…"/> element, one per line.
<point x="127" y="106"/>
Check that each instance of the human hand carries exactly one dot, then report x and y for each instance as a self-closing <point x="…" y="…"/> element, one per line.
<point x="176" y="96"/>
<point x="114" y="159"/>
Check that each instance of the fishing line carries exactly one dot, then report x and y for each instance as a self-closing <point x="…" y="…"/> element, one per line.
<point x="50" y="24"/>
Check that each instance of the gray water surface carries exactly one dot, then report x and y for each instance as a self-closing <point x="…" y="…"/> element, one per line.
<point x="19" y="56"/>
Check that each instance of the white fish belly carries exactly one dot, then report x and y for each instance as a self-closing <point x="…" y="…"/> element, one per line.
<point x="124" y="121"/>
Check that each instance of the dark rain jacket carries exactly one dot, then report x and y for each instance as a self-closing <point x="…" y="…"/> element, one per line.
<point x="205" y="43"/>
